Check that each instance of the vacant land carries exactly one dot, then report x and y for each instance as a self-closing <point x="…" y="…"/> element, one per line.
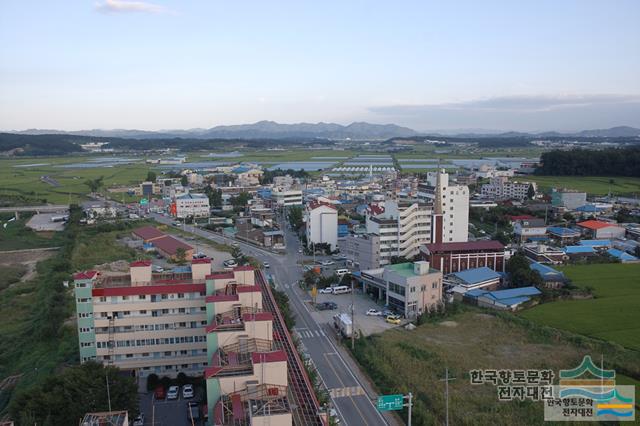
<point x="16" y="236"/>
<point x="594" y="185"/>
<point x="614" y="313"/>
<point x="399" y="361"/>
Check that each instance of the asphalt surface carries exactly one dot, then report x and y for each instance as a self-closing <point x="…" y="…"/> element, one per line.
<point x="348" y="398"/>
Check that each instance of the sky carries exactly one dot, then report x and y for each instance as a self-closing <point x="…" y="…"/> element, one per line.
<point x="498" y="65"/>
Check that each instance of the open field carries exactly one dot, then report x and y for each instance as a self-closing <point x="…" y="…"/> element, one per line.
<point x="614" y="314"/>
<point x="399" y="361"/>
<point x="593" y="185"/>
<point x="16" y="236"/>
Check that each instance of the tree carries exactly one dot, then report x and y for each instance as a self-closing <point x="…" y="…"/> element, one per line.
<point x="240" y="201"/>
<point x="184" y="181"/>
<point x="64" y="398"/>
<point x="181" y="256"/>
<point x="95" y="184"/>
<point x="151" y="176"/>
<point x="520" y="274"/>
<point x="502" y="237"/>
<point x="295" y="217"/>
<point x="215" y="196"/>
<point x="531" y="192"/>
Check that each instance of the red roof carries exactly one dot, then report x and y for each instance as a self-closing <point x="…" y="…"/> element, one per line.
<point x="85" y="275"/>
<point x="148" y="289"/>
<point x="470" y="245"/>
<point x="148" y="233"/>
<point x="220" y="275"/>
<point x="170" y="245"/>
<point x="595" y="224"/>
<point x="200" y="261"/>
<point x="315" y="204"/>
<point x="376" y="209"/>
<point x="259" y="316"/>
<point x="275" y="356"/>
<point x="140" y="263"/>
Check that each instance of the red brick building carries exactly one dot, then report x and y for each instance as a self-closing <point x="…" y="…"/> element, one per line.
<point x="455" y="257"/>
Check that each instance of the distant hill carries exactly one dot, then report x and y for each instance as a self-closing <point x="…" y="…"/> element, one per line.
<point x="259" y="130"/>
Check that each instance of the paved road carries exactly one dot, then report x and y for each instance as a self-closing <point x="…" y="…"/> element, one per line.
<point x="348" y="398"/>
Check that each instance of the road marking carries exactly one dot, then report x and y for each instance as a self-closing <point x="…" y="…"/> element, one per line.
<point x="346" y="392"/>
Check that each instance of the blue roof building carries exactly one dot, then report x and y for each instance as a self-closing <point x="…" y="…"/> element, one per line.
<point x="552" y="277"/>
<point x="462" y="282"/>
<point x="579" y="250"/>
<point x="622" y="255"/>
<point x="508" y="299"/>
<point x="559" y="232"/>
<point x="595" y="243"/>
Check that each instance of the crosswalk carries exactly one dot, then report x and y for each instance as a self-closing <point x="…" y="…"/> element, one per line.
<point x="305" y="333"/>
<point x="346" y="392"/>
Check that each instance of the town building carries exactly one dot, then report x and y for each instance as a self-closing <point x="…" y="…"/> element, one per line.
<point x="454" y="257"/>
<point x="216" y="324"/>
<point x="362" y="250"/>
<point x="544" y="253"/>
<point x="247" y="175"/>
<point x="500" y="188"/>
<point x="598" y="229"/>
<point x="510" y="299"/>
<point x="286" y="197"/>
<point x="458" y="283"/>
<point x="408" y="288"/>
<point x="450" y="207"/>
<point x="552" y="278"/>
<point x="148" y="189"/>
<point x="563" y="235"/>
<point x="191" y="205"/>
<point x="487" y="171"/>
<point x="401" y="228"/>
<point x="569" y="199"/>
<point x="321" y="224"/>
<point x="530" y="230"/>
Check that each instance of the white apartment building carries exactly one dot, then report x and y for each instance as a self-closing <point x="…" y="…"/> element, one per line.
<point x="286" y="197"/>
<point x="500" y="188"/>
<point x="453" y="205"/>
<point x="321" y="224"/>
<point x="196" y="205"/>
<point x="401" y="229"/>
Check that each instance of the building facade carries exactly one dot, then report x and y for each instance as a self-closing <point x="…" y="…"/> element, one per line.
<point x="194" y="205"/>
<point x="568" y="199"/>
<point x="500" y="188"/>
<point x="286" y="197"/>
<point x="454" y="257"/>
<point x="321" y="224"/>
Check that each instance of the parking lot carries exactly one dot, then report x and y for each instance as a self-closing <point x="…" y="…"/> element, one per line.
<point x="164" y="412"/>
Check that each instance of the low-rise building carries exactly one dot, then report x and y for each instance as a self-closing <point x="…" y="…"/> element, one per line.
<point x="454" y="257"/>
<point x="362" y="250"/>
<point x="286" y="197"/>
<point x="408" y="288"/>
<point x="530" y="230"/>
<point x="501" y="188"/>
<point x="458" y="283"/>
<point x="544" y="253"/>
<point x="321" y="224"/>
<point x="569" y="199"/>
<point x="510" y="299"/>
<point x="598" y="229"/>
<point x="191" y="205"/>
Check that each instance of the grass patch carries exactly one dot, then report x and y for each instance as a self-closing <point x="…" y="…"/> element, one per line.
<point x="401" y="361"/>
<point x="11" y="274"/>
<point x="16" y="235"/>
<point x="613" y="315"/>
<point x="594" y="185"/>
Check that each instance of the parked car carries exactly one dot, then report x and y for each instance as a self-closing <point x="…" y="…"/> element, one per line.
<point x="199" y="256"/>
<point x="326" y="306"/>
<point x="139" y="420"/>
<point x="300" y="250"/>
<point x="158" y="268"/>
<point x="387" y="312"/>
<point x="374" y="313"/>
<point x="187" y="391"/>
<point x="326" y="290"/>
<point x="339" y="257"/>
<point x="266" y="265"/>
<point x="159" y="393"/>
<point x="230" y="263"/>
<point x="327" y="262"/>
<point x="393" y="319"/>
<point x="173" y="392"/>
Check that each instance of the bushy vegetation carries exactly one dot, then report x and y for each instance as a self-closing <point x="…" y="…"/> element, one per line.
<point x="521" y="274"/>
<point x="282" y="300"/>
<point x="64" y="399"/>
<point x="578" y="162"/>
<point x="11" y="274"/>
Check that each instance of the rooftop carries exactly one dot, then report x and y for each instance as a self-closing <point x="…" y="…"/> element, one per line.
<point x="595" y="224"/>
<point x="477" y="275"/>
<point x="170" y="245"/>
<point x="405" y="269"/>
<point x="470" y="245"/>
<point x="563" y="232"/>
<point x="148" y="233"/>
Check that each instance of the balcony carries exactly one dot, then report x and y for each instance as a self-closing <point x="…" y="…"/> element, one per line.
<point x="255" y="401"/>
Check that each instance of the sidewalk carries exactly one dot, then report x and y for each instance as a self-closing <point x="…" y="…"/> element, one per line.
<point x="369" y="388"/>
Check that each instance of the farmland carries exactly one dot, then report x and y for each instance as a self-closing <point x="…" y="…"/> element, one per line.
<point x="593" y="185"/>
<point x="613" y="315"/>
<point x="401" y="361"/>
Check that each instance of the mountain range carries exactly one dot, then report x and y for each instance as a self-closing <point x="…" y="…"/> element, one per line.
<point x="333" y="131"/>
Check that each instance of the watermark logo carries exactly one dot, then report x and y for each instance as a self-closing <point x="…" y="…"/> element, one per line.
<point x="590" y="393"/>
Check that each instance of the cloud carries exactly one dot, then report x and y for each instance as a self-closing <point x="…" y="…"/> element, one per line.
<point x="519" y="103"/>
<point x="522" y="112"/>
<point x="117" y="6"/>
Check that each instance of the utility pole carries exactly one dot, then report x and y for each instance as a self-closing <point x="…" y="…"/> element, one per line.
<point x="446" y="394"/>
<point x="409" y="405"/>
<point x="106" y="378"/>
<point x="353" y="325"/>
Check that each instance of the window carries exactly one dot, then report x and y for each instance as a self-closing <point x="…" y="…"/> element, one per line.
<point x="142" y="297"/>
<point x="81" y="285"/>
<point x="83" y="300"/>
<point x="165" y="296"/>
<point x="180" y="295"/>
<point x="125" y="297"/>
<point x="434" y="285"/>
<point x="103" y="299"/>
<point x="143" y="312"/>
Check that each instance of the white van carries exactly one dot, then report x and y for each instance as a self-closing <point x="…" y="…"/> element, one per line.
<point x="342" y="272"/>
<point x="341" y="289"/>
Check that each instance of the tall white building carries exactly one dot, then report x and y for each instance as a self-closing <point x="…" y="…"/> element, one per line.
<point x="196" y="205"/>
<point x="321" y="224"/>
<point x="401" y="229"/>
<point x="502" y="189"/>
<point x="451" y="207"/>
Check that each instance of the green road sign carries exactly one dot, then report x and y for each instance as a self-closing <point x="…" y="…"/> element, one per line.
<point x="390" y="402"/>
